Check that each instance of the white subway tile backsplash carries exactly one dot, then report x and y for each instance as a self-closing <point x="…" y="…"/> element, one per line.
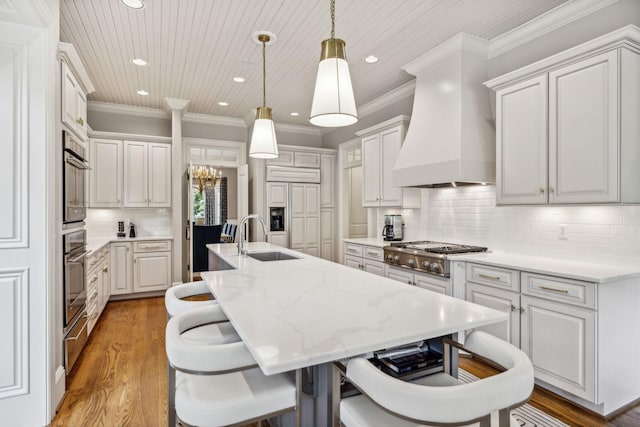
<point x="469" y="215"/>
<point x="149" y="222"/>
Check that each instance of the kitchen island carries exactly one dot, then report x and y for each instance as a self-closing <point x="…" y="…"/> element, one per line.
<point x="305" y="312"/>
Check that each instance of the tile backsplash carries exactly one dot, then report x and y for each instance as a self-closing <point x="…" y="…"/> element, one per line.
<point x="149" y="222"/>
<point x="606" y="234"/>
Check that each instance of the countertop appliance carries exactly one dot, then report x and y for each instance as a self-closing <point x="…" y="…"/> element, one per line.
<point x="392" y="229"/>
<point x="75" y="295"/>
<point x="74" y="179"/>
<point x="426" y="256"/>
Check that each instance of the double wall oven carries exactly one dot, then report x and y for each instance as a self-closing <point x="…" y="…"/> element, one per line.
<point x="74" y="240"/>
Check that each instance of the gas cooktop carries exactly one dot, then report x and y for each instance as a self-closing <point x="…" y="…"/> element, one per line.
<point x="427" y="256"/>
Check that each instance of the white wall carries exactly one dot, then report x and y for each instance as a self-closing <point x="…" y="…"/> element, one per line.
<point x="602" y="234"/>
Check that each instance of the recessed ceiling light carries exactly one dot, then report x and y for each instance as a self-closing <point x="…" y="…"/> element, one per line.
<point x="371" y="59"/>
<point x="295" y="114"/>
<point x="139" y="62"/>
<point x="223" y="104"/>
<point x="133" y="4"/>
<point x="142" y="92"/>
<point x="238" y="79"/>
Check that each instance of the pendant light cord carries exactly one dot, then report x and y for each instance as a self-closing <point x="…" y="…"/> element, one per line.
<point x="264" y="74"/>
<point x="332" y="8"/>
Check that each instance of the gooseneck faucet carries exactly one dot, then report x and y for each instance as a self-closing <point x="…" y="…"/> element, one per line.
<point x="241" y="250"/>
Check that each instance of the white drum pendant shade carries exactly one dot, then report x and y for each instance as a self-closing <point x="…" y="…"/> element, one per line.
<point x="333" y="101"/>
<point x="263" y="138"/>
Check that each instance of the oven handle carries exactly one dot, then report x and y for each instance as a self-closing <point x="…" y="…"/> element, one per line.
<point x="84" y="254"/>
<point x="79" y="333"/>
<point x="77" y="163"/>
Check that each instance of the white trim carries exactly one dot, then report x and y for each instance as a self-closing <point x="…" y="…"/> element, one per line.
<point x="68" y="53"/>
<point x="394" y="95"/>
<point x="387" y="123"/>
<point x="461" y="42"/>
<point x="129" y="136"/>
<point x="545" y="23"/>
<point x="213" y="120"/>
<point x="306" y="130"/>
<point x="107" y="107"/>
<point x="175" y="104"/>
<point x="307" y="149"/>
<point x="628" y="36"/>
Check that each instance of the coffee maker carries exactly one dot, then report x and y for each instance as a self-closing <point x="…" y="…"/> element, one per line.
<point x="392" y="229"/>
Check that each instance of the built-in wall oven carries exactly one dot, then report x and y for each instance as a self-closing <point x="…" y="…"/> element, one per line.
<point x="74" y="179"/>
<point x="75" y="296"/>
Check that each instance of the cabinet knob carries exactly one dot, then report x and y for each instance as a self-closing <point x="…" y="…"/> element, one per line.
<point x="551" y="190"/>
<point x="541" y="190"/>
<point x="513" y="307"/>
<point x="521" y="310"/>
<point x="80" y="121"/>
<point x="410" y="282"/>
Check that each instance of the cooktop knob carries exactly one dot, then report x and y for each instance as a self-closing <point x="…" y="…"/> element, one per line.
<point x="396" y="258"/>
<point x="425" y="265"/>
<point x="411" y="263"/>
<point x="389" y="257"/>
<point x="435" y="267"/>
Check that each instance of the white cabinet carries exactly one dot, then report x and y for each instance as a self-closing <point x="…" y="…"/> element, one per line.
<point x="74" y="103"/>
<point x="379" y="152"/>
<point x="151" y="271"/>
<point x="97" y="274"/>
<point x="328" y="181"/>
<point x="552" y="319"/>
<point x="363" y="257"/>
<point x="564" y="129"/>
<point x="147" y="174"/>
<point x="277" y="193"/>
<point x="441" y="285"/>
<point x="105" y="176"/>
<point x="141" y="266"/>
<point x="299" y="158"/>
<point x="305" y="218"/>
<point x="121" y="268"/>
<point x="327" y="230"/>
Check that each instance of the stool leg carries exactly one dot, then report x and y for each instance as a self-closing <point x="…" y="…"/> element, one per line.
<point x="171" y="396"/>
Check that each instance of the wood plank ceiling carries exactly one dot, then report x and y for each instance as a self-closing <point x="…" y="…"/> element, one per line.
<point x="196" y="47"/>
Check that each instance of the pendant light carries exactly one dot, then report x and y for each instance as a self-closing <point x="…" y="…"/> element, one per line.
<point x="263" y="138"/>
<point x="333" y="101"/>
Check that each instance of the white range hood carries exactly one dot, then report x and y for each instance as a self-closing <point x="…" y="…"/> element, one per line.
<point x="451" y="137"/>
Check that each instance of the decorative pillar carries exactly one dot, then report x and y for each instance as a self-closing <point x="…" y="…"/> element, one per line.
<point x="179" y="216"/>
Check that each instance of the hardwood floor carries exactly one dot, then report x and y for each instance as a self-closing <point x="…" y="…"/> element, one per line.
<point x="120" y="378"/>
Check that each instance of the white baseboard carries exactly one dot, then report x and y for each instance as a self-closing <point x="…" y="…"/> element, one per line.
<point x="59" y="389"/>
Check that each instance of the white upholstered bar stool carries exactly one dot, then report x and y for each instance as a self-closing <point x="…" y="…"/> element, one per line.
<point x="218" y="331"/>
<point x="440" y="399"/>
<point x="220" y="384"/>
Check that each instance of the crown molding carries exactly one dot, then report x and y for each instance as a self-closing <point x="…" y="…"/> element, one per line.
<point x="300" y="129"/>
<point x="128" y="136"/>
<point x="175" y="104"/>
<point x="107" y="107"/>
<point x="68" y="53"/>
<point x="213" y="120"/>
<point x="545" y="23"/>
<point x="461" y="42"/>
<point x="391" y="97"/>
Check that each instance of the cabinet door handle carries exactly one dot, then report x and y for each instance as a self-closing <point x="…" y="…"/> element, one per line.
<point x="487" y="276"/>
<point x="80" y="121"/>
<point x="410" y="282"/>
<point x="560" y="291"/>
<point x="513" y="307"/>
<point x="104" y="270"/>
<point x="541" y="190"/>
<point x="551" y="190"/>
<point x="521" y="310"/>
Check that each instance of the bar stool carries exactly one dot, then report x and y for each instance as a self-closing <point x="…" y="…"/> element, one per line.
<point x="218" y="331"/>
<point x="440" y="399"/>
<point x="220" y="384"/>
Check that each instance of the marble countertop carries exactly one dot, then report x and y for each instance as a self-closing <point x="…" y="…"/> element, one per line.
<point x="96" y="243"/>
<point x="590" y="272"/>
<point x="369" y="241"/>
<point x="308" y="311"/>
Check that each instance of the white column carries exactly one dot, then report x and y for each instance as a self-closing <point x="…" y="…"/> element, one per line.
<point x="177" y="107"/>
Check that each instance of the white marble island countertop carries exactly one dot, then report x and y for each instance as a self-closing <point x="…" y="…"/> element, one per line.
<point x="303" y="312"/>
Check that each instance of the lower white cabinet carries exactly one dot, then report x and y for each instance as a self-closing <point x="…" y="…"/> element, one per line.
<point x="367" y="258"/>
<point x="140" y="266"/>
<point x="98" y="286"/>
<point x="552" y="319"/>
<point x="441" y="285"/>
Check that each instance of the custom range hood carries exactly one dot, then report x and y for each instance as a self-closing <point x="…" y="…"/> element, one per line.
<point x="451" y="137"/>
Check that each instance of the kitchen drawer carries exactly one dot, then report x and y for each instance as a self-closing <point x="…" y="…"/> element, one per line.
<point x="353" y="261"/>
<point x="374" y="267"/>
<point x="352" y="249"/>
<point x="502" y="278"/>
<point x="372" y="252"/>
<point x="152" y="246"/>
<point x="96" y="258"/>
<point x="559" y="289"/>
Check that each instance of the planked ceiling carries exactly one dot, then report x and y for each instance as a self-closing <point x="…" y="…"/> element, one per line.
<point x="195" y="47"/>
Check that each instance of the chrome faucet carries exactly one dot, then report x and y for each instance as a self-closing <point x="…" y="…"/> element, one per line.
<point x="241" y="250"/>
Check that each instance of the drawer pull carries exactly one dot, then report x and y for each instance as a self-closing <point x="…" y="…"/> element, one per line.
<point x="152" y="247"/>
<point x="487" y="276"/>
<point x="561" y="291"/>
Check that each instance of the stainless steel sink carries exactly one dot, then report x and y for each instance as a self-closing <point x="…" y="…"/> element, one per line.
<point x="271" y="256"/>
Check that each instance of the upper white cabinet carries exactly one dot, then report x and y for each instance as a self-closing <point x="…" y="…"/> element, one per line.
<point x="129" y="174"/>
<point x="105" y="176"/>
<point x="328" y="180"/>
<point x="566" y="127"/>
<point x="147" y="174"/>
<point x="380" y="147"/>
<point x="297" y="158"/>
<point x="75" y="85"/>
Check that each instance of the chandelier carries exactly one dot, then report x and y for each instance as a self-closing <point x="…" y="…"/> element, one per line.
<point x="207" y="176"/>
